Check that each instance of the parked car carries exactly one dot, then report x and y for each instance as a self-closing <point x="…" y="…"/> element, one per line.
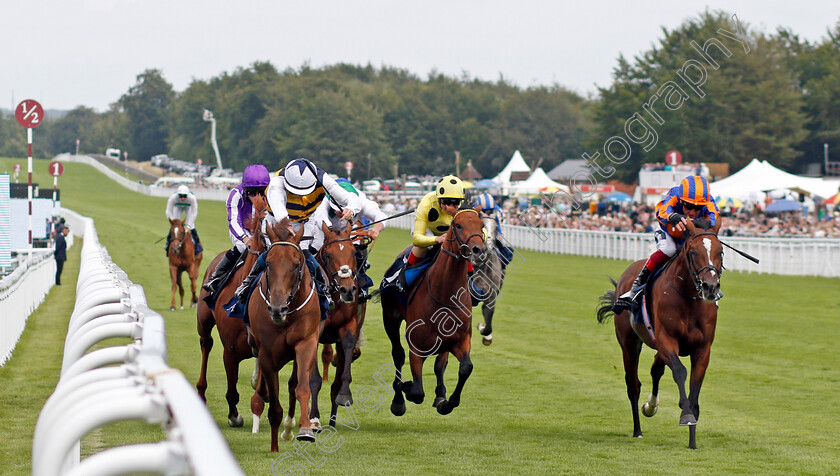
<point x="112" y="153"/>
<point x="371" y="186"/>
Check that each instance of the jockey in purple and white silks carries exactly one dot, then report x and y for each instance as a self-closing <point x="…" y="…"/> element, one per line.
<point x="255" y="179"/>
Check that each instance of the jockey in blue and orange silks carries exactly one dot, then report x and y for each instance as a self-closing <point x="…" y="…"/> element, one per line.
<point x="689" y="200"/>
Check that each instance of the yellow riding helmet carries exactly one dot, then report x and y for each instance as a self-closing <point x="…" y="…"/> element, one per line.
<point x="450" y="187"/>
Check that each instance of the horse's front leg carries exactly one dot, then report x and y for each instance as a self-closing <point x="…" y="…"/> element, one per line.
<point x="656" y="370"/>
<point x="699" y="364"/>
<point x="462" y="353"/>
<point x="392" y="329"/>
<point x="414" y="389"/>
<point x="193" y="274"/>
<point x="315" y="382"/>
<point x="347" y="335"/>
<point x="275" y="411"/>
<point x="232" y="396"/>
<point x="668" y="352"/>
<point x="440" y="367"/>
<point x="173" y="275"/>
<point x="181" y="287"/>
<point x="306" y="353"/>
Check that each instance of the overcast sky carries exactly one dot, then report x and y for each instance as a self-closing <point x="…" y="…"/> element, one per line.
<point x="89" y="52"/>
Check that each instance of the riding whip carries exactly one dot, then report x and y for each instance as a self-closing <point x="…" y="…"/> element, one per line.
<point x="745" y="255"/>
<point x="380" y="221"/>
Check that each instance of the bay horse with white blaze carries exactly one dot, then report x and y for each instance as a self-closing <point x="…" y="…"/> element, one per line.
<point x="285" y="316"/>
<point x="438" y="316"/>
<point x="683" y="314"/>
<point x="182" y="258"/>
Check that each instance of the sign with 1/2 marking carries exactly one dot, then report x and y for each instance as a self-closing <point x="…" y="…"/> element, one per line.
<point x="29" y="113"/>
<point x="56" y="168"/>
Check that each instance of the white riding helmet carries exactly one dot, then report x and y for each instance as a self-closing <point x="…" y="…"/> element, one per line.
<point x="183" y="190"/>
<point x="300" y="177"/>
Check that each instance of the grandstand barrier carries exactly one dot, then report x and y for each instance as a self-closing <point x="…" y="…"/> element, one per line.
<point x="785" y="256"/>
<point x="21" y="292"/>
<point x="124" y="382"/>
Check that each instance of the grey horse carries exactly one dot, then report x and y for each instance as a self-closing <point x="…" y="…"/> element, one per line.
<point x="488" y="277"/>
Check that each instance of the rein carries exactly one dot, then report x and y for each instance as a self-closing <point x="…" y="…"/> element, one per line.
<point x="462" y="244"/>
<point x="344" y="271"/>
<point x="693" y="272"/>
<point x="267" y="295"/>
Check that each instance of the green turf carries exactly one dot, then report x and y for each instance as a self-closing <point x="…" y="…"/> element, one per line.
<point x="548" y="397"/>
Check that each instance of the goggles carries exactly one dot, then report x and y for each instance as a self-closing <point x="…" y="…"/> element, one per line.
<point x="691" y="206"/>
<point x="450" y="202"/>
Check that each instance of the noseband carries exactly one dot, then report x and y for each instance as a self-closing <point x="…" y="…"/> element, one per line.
<point x="175" y="232"/>
<point x="343" y="272"/>
<point x="267" y="295"/>
<point x="692" y="269"/>
<point x="463" y="248"/>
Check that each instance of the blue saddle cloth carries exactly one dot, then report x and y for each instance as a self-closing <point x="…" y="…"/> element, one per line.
<point x="400" y="277"/>
<point x="239" y="310"/>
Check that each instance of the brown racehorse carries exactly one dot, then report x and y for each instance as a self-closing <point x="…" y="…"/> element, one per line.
<point x="182" y="258"/>
<point x="232" y="331"/>
<point x="684" y="314"/>
<point x="338" y="259"/>
<point x="438" y="316"/>
<point x="285" y="316"/>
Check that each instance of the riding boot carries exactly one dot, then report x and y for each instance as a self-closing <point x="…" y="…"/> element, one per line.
<point x="631" y="297"/>
<point x="242" y="290"/>
<point x="168" y="241"/>
<point x="222" y="269"/>
<point x="197" y="241"/>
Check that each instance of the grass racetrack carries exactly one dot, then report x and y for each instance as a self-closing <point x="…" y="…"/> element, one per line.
<point x="548" y="397"/>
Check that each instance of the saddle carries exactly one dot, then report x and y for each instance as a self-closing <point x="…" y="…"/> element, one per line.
<point x="400" y="277"/>
<point x="210" y="299"/>
<point x="641" y="319"/>
<point x="236" y="308"/>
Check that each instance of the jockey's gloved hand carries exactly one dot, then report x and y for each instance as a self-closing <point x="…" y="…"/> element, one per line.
<point x="675" y="218"/>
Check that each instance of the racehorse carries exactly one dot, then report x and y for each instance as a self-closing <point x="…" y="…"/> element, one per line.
<point x="285" y="316"/>
<point x="338" y="259"/>
<point x="684" y="314"/>
<point x="232" y="331"/>
<point x="182" y="258"/>
<point x="438" y="316"/>
<point x="488" y="277"/>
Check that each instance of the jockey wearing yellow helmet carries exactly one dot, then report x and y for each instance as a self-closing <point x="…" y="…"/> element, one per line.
<point x="434" y="214"/>
<point x="689" y="200"/>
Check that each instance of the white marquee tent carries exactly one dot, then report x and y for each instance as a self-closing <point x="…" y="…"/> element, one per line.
<point x="758" y="177"/>
<point x="537" y="181"/>
<point x="516" y="164"/>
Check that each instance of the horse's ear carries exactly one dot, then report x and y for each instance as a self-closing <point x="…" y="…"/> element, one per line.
<point x="477" y="208"/>
<point x="325" y="228"/>
<point x="690" y="226"/>
<point x="171" y="221"/>
<point x="718" y="223"/>
<point x="299" y="234"/>
<point x="272" y="235"/>
<point x="349" y="227"/>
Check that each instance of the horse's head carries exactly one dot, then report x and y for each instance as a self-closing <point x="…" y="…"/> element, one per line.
<point x="466" y="237"/>
<point x="704" y="255"/>
<point x="179" y="234"/>
<point x="338" y="257"/>
<point x="285" y="266"/>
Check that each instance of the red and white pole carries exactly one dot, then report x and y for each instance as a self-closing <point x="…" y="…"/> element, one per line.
<point x="29" y="188"/>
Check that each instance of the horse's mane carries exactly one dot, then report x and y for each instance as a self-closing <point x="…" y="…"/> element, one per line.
<point x="281" y="229"/>
<point x="261" y="210"/>
<point x="703" y="223"/>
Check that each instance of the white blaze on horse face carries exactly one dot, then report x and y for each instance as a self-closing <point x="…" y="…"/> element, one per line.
<point x="707" y="243"/>
<point x="341" y="247"/>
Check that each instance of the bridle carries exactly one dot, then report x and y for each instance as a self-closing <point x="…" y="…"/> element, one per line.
<point x="267" y="294"/>
<point x="463" y="248"/>
<point x="693" y="271"/>
<point x="343" y="272"/>
<point x="175" y="233"/>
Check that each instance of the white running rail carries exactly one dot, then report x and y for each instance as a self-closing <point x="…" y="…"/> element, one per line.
<point x="91" y="392"/>
<point x="787" y="256"/>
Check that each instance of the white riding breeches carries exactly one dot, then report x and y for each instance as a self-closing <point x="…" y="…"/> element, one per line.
<point x="665" y="242"/>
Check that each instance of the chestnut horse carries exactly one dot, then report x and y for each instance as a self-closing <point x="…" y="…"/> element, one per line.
<point x="337" y="257"/>
<point x="438" y="316"/>
<point x="232" y="331"/>
<point x="182" y="258"/>
<point x="684" y="314"/>
<point x="285" y="317"/>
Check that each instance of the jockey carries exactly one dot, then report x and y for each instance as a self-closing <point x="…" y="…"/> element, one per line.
<point x="488" y="208"/>
<point x="434" y="215"/>
<point x="328" y="213"/>
<point x="689" y="200"/>
<point x="296" y="191"/>
<point x="183" y="202"/>
<point x="255" y="179"/>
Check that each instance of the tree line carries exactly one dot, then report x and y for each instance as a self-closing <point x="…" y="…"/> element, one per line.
<point x="713" y="88"/>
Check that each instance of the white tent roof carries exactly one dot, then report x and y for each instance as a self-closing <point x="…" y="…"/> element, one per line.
<point x="538" y="180"/>
<point x="761" y="176"/>
<point x="516" y="164"/>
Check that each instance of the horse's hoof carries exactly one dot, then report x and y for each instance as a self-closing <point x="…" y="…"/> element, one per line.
<point x="306" y="434"/>
<point x="171" y="308"/>
<point x="236" y="421"/>
<point x="445" y="408"/>
<point x="344" y="400"/>
<point x="315" y="424"/>
<point x="438" y="401"/>
<point x="649" y="410"/>
<point x="398" y="409"/>
<point x="192" y="305"/>
<point x="287" y="435"/>
<point x="182" y="308"/>
<point x="687" y="420"/>
<point x="487" y="340"/>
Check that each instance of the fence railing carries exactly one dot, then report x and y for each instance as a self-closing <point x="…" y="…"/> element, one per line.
<point x="787" y="256"/>
<point x="92" y="391"/>
<point x="21" y="292"/>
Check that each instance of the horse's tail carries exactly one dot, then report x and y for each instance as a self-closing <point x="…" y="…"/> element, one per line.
<point x="606" y="303"/>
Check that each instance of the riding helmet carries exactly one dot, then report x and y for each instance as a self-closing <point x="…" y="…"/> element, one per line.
<point x="299" y="175"/>
<point x="255" y="176"/>
<point x="695" y="190"/>
<point x="450" y="187"/>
